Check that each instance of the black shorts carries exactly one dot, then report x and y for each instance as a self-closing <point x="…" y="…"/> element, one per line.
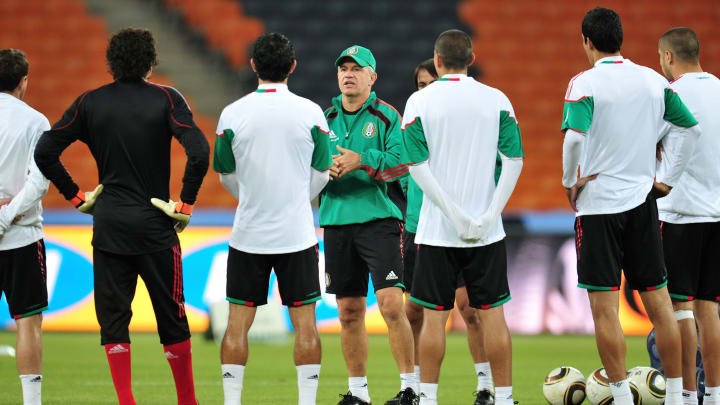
<point x="23" y="279"/>
<point x="353" y="251"/>
<point x="628" y="242"/>
<point x="409" y="254"/>
<point x="248" y="277"/>
<point x="115" y="281"/>
<point x="692" y="254"/>
<point x="484" y="269"/>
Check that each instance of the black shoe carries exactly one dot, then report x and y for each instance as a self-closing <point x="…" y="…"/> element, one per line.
<point x="350" y="399"/>
<point x="484" y="397"/>
<point x="405" y="397"/>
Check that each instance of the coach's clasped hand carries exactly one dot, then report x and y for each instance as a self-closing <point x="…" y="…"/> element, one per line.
<point x="85" y="202"/>
<point x="180" y="212"/>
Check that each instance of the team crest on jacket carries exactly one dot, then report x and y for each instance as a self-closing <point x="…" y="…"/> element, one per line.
<point x="369" y="130"/>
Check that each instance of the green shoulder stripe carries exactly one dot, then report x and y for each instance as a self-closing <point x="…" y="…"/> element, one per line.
<point x="322" y="155"/>
<point x="578" y="114"/>
<point x="415" y="148"/>
<point x="676" y="112"/>
<point x="223" y="158"/>
<point x="509" y="140"/>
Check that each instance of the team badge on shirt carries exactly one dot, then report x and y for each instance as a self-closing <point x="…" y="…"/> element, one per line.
<point x="369" y="130"/>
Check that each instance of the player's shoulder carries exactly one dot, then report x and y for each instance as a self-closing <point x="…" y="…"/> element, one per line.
<point x="173" y="94"/>
<point x="387" y="109"/>
<point x="27" y="114"/>
<point x="305" y="103"/>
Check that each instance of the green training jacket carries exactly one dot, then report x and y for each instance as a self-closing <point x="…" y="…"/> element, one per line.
<point x="361" y="196"/>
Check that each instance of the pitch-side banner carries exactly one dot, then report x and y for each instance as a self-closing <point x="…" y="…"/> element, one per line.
<point x="541" y="271"/>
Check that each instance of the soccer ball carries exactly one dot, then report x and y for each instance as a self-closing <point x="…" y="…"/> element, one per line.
<point x="564" y="386"/>
<point x="597" y="389"/>
<point x="650" y="384"/>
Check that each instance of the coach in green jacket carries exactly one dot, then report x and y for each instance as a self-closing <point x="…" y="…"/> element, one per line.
<point x="363" y="225"/>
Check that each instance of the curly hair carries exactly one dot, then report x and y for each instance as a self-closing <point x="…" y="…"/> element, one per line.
<point x="131" y="54"/>
<point x="273" y="55"/>
<point x="13" y="67"/>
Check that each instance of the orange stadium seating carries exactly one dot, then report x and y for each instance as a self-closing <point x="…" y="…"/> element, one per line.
<point x="66" y="49"/>
<point x="224" y="25"/>
<point x="530" y="49"/>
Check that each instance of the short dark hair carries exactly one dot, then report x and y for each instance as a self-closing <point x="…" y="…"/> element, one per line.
<point x="131" y="54"/>
<point x="13" y="67"/>
<point x="455" y="49"/>
<point x="603" y="27"/>
<point x="683" y="43"/>
<point x="273" y="55"/>
<point x="427" y="65"/>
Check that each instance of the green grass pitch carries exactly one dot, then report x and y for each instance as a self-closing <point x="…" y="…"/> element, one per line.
<point x="75" y="370"/>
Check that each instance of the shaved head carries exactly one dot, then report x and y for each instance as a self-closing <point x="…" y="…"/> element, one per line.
<point x="683" y="43"/>
<point x="455" y="49"/>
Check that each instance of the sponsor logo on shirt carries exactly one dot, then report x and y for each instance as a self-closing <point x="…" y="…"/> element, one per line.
<point x="391" y="276"/>
<point x="333" y="137"/>
<point x="369" y="130"/>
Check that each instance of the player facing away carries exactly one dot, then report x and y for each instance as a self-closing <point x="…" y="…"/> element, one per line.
<point x="22" y="250"/>
<point x="128" y="126"/>
<point x="613" y="117"/>
<point x="272" y="121"/>
<point x="425" y="74"/>
<point x="452" y="133"/>
<point x="362" y="224"/>
<point x="690" y="216"/>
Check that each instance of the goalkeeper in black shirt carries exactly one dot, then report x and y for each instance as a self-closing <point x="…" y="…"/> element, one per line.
<point x="128" y="126"/>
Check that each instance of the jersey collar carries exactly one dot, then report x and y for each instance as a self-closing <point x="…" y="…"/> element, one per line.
<point x="272" y="88"/>
<point x="452" y="77"/>
<point x="610" y="60"/>
<point x="337" y="102"/>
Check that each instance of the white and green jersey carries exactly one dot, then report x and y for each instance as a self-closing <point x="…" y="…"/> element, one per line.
<point x="459" y="125"/>
<point x="22" y="186"/>
<point x="622" y="109"/>
<point x="269" y="141"/>
<point x="696" y="197"/>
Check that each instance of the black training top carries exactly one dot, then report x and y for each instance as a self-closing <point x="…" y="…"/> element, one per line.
<point x="128" y="126"/>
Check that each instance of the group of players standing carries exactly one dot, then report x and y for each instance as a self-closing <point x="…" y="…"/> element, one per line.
<point x="625" y="126"/>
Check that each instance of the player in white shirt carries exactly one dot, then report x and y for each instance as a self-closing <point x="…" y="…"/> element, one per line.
<point x="614" y="115"/>
<point x="453" y="131"/>
<point x="690" y="216"/>
<point x="273" y="153"/>
<point x="22" y="250"/>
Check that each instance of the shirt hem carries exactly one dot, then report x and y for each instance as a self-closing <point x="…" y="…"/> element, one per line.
<point x="456" y="244"/>
<point x="608" y="211"/>
<point x="675" y="218"/>
<point x="273" y="251"/>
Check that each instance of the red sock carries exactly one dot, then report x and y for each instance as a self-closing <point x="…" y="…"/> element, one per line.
<point x="179" y="356"/>
<point x="118" y="355"/>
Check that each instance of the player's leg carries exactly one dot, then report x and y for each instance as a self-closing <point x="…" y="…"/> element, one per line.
<point x="23" y="279"/>
<point x="162" y="274"/>
<point x="115" y="279"/>
<point x="379" y="244"/>
<point x="299" y="286"/>
<point x="682" y="252"/>
<point x="484" y="270"/>
<point x="598" y="243"/>
<point x="474" y="337"/>
<point x="346" y="276"/>
<point x="709" y="322"/>
<point x="433" y="288"/>
<point x="413" y="311"/>
<point x="706" y="309"/>
<point x="248" y="276"/>
<point x="684" y="314"/>
<point x="29" y="357"/>
<point x="645" y="271"/>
